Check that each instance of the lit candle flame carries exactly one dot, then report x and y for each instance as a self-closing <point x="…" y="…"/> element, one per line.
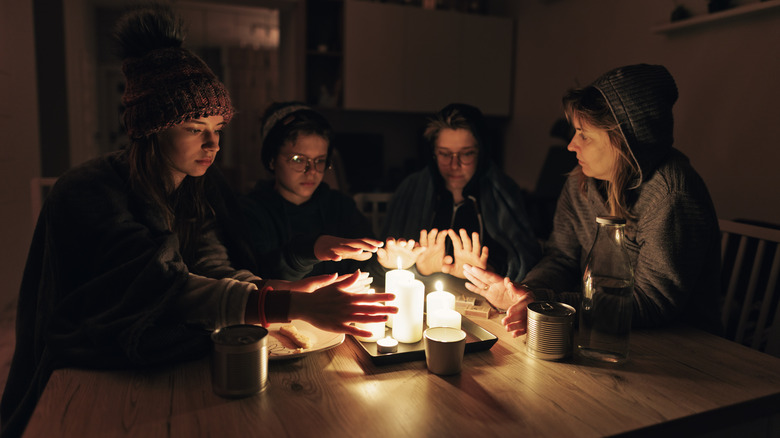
<point x="439" y="286"/>
<point x="398" y="260"/>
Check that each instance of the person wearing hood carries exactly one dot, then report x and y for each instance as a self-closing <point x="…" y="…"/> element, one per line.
<point x="298" y="226"/>
<point x="627" y="168"/>
<point x="461" y="206"/>
<point x="137" y="257"/>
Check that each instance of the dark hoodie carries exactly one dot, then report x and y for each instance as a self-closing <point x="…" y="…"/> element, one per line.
<point x="494" y="206"/>
<point x="673" y="238"/>
<point x="282" y="234"/>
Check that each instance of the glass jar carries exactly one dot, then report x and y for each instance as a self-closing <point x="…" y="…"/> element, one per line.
<point x="607" y="295"/>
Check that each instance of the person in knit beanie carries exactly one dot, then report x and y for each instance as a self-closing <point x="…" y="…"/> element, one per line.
<point x="138" y="255"/>
<point x="627" y="167"/>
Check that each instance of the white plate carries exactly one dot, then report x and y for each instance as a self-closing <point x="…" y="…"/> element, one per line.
<point x="280" y="347"/>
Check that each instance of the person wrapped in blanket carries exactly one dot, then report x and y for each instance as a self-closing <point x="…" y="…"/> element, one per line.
<point x="461" y="207"/>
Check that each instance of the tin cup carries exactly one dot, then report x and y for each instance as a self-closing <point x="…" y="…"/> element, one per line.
<point x="240" y="362"/>
<point x="550" y="330"/>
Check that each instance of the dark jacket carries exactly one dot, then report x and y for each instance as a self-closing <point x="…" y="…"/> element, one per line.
<point x="104" y="283"/>
<point x="507" y="233"/>
<point x="282" y="234"/>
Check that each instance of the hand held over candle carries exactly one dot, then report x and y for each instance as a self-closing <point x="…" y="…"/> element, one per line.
<point x="333" y="307"/>
<point x="334" y="248"/>
<point x="466" y="251"/>
<point x="309" y="284"/>
<point x="431" y="259"/>
<point x="394" y="250"/>
<point x="501" y="293"/>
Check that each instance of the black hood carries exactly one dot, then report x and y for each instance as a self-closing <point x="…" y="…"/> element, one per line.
<point x="641" y="98"/>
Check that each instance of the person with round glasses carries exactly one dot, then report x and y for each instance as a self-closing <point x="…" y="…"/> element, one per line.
<point x="298" y="225"/>
<point x="461" y="207"/>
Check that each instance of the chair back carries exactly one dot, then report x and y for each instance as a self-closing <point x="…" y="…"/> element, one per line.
<point x="374" y="207"/>
<point x="750" y="267"/>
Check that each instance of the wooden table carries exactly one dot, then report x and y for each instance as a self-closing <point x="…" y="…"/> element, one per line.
<point x="678" y="381"/>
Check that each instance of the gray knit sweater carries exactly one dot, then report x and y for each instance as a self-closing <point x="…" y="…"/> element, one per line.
<point x="673" y="238"/>
<point x="674" y="246"/>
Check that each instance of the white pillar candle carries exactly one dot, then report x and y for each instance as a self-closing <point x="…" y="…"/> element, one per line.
<point x="377" y="329"/>
<point x="438" y="300"/>
<point x="392" y="280"/>
<point x="444" y="318"/>
<point x="408" y="322"/>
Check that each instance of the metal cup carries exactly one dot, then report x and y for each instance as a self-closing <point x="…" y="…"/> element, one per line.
<point x="550" y="330"/>
<point x="240" y="361"/>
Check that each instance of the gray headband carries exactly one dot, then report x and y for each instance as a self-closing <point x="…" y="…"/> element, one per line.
<point x="277" y="115"/>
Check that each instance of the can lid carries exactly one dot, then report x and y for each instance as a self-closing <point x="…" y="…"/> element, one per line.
<point x="242" y="334"/>
<point x="550" y="311"/>
<point x="610" y="220"/>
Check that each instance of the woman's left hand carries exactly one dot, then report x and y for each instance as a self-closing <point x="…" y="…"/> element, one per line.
<point x="332" y="248"/>
<point x="333" y="308"/>
<point x="465" y="251"/>
<point x="309" y="284"/>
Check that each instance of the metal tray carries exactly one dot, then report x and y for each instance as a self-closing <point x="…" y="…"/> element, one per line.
<point x="477" y="339"/>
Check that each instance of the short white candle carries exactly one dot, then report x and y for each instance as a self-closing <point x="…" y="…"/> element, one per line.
<point x="392" y="279"/>
<point x="377" y="329"/>
<point x="444" y="318"/>
<point x="386" y="345"/>
<point x="438" y="300"/>
<point x="408" y="322"/>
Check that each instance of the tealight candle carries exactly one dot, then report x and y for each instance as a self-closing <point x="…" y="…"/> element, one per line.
<point x="444" y="318"/>
<point x="392" y="279"/>
<point x="386" y="345"/>
<point x="408" y="322"/>
<point x="438" y="300"/>
<point x="377" y="329"/>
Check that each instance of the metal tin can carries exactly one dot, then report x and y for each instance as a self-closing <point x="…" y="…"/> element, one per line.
<point x="550" y="330"/>
<point x="240" y="362"/>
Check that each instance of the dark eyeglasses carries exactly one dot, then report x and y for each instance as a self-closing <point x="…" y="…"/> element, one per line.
<point x="466" y="157"/>
<point x="302" y="163"/>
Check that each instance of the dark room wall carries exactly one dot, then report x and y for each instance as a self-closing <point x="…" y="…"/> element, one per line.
<point x="727" y="73"/>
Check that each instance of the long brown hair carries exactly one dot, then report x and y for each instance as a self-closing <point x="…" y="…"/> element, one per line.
<point x="185" y="209"/>
<point x="588" y="106"/>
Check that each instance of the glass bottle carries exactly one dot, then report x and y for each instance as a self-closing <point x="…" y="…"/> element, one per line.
<point x="607" y="295"/>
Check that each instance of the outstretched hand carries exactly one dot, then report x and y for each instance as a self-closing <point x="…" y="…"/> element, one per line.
<point x="333" y="308"/>
<point x="431" y="259"/>
<point x="501" y="292"/>
<point x="332" y="248"/>
<point x="404" y="250"/>
<point x="309" y="284"/>
<point x="465" y="251"/>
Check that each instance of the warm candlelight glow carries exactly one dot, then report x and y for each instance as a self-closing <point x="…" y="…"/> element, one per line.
<point x="408" y="322"/>
<point x="398" y="262"/>
<point x="444" y="318"/>
<point x="439" y="286"/>
<point x="377" y="329"/>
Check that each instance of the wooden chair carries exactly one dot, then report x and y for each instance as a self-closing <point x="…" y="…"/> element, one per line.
<point x="374" y="207"/>
<point x="750" y="267"/>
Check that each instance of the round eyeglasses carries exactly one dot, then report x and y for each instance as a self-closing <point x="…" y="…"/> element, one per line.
<point x="463" y="157"/>
<point x="302" y="163"/>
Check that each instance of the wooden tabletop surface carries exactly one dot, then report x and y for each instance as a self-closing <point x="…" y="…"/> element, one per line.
<point x="677" y="380"/>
